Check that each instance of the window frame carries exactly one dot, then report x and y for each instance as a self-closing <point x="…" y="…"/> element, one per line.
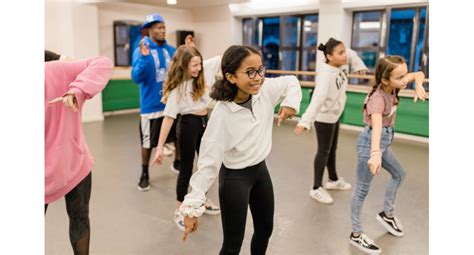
<point x="257" y="22"/>
<point x="385" y="34"/>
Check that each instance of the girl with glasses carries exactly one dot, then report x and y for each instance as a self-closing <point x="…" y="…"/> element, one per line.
<point x="234" y="147"/>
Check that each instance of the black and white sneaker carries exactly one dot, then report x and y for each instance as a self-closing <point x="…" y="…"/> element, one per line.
<point x="364" y="243"/>
<point x="392" y="224"/>
<point x="176" y="166"/>
<point x="143" y="185"/>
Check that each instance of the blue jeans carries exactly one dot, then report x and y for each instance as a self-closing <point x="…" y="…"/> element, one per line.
<point x="364" y="176"/>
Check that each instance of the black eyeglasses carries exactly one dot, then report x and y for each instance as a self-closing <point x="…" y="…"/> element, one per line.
<point x="253" y="73"/>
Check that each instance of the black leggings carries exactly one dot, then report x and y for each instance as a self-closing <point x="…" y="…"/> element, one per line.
<point x="237" y="190"/>
<point x="190" y="129"/>
<point x="327" y="134"/>
<point x="77" y="207"/>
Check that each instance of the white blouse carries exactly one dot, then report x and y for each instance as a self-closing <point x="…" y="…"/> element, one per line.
<point x="180" y="99"/>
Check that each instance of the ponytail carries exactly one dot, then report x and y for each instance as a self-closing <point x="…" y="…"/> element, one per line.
<point x="223" y="90"/>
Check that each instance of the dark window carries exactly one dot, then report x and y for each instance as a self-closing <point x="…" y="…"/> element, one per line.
<point x="126" y="38"/>
<point x="286" y="42"/>
<point x="250" y="30"/>
<point x="401" y="34"/>
<point x="366" y="32"/>
<point x="407" y="31"/>
<point x="271" y="42"/>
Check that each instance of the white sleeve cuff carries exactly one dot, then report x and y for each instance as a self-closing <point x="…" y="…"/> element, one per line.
<point x="191" y="212"/>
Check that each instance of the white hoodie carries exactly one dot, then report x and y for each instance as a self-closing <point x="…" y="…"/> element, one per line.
<point x="238" y="137"/>
<point x="329" y="96"/>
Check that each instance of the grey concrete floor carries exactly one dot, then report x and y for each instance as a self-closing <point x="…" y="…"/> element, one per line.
<point x="127" y="221"/>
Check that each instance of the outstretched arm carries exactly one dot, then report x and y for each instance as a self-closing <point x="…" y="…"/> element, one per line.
<point x="355" y="62"/>
<point x="90" y="77"/>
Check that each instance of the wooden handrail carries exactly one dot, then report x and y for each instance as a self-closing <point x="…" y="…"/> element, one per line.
<point x="359" y="76"/>
<point x="123" y="73"/>
<point x="364" y="89"/>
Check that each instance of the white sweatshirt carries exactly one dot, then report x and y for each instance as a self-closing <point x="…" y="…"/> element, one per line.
<point x="329" y="96"/>
<point x="237" y="137"/>
<point x="180" y="99"/>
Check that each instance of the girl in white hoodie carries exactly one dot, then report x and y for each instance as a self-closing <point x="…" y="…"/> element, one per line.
<point x="234" y="146"/>
<point x="325" y="109"/>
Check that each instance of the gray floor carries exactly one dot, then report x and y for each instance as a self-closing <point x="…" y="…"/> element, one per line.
<point x="127" y="221"/>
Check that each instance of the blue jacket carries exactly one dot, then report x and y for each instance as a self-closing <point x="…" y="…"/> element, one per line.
<point x="150" y="72"/>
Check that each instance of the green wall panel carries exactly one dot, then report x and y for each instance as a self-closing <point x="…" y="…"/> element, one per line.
<point x="120" y="95"/>
<point x="412" y="118"/>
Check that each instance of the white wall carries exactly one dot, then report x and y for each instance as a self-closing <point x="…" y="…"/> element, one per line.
<point x="334" y="21"/>
<point x="216" y="30"/>
<point x="175" y="19"/>
<point x="72" y="29"/>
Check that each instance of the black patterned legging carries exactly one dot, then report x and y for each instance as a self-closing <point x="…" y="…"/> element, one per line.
<point x="77" y="207"/>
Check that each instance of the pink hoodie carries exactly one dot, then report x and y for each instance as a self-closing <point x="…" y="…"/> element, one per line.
<point x="67" y="157"/>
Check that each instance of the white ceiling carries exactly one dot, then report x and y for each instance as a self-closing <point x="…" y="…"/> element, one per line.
<point x="181" y="3"/>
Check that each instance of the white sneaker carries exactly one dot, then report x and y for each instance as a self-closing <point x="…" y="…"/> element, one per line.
<point x="365" y="244"/>
<point x="167" y="151"/>
<point x="321" y="195"/>
<point x="179" y="220"/>
<point x="211" y="208"/>
<point x="340" y="184"/>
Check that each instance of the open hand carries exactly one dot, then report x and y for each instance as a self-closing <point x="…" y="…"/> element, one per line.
<point x="144" y="47"/>
<point x="189" y="40"/>
<point x="419" y="93"/>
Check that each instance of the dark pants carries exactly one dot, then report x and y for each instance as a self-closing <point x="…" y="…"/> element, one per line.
<point x="190" y="129"/>
<point x="77" y="207"/>
<point x="237" y="190"/>
<point x="327" y="134"/>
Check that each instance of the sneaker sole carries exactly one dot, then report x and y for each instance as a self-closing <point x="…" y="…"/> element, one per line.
<point x="354" y="243"/>
<point x="144" y="189"/>
<point x="179" y="226"/>
<point x="388" y="227"/>
<point x="212" y="212"/>
<point x="337" y="188"/>
<point x="322" y="202"/>
<point x="174" y="170"/>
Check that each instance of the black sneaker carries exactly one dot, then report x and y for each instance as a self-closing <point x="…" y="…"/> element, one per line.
<point x="364" y="243"/>
<point x="392" y="224"/>
<point x="143" y="185"/>
<point x="175" y="166"/>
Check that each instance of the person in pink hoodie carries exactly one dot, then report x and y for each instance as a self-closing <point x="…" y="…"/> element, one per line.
<point x="68" y="161"/>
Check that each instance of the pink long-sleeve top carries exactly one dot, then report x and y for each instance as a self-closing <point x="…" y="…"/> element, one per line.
<point x="67" y="158"/>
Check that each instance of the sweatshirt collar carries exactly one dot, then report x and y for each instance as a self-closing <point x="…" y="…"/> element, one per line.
<point x="235" y="107"/>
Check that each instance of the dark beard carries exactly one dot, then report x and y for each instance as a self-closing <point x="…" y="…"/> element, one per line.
<point x="159" y="42"/>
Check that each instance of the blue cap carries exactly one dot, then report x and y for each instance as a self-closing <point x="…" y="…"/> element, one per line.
<point x="152" y="18"/>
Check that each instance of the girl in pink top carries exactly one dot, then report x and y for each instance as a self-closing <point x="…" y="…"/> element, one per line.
<point x="68" y="162"/>
<point x="373" y="147"/>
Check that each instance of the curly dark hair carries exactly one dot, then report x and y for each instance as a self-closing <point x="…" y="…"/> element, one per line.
<point x="223" y="90"/>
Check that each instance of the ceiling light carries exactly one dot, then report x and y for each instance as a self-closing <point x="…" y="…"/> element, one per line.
<point x="171" y="1"/>
<point x="369" y="25"/>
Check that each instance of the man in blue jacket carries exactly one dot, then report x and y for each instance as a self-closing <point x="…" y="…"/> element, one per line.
<point x="149" y="69"/>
